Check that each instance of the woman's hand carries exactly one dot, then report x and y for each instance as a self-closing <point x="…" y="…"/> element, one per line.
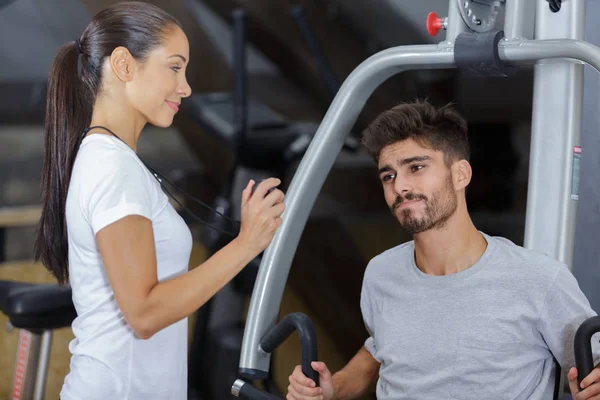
<point x="262" y="207"/>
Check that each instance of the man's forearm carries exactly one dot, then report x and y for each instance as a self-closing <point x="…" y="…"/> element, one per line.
<point x="357" y="378"/>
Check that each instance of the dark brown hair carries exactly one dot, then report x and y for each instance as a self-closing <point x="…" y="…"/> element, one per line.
<point x="441" y="129"/>
<point x="73" y="85"/>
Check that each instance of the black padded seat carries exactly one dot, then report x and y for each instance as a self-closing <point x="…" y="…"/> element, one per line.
<point x="37" y="307"/>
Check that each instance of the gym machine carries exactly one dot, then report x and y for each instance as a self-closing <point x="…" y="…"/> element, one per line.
<point x="473" y="45"/>
<point x="264" y="144"/>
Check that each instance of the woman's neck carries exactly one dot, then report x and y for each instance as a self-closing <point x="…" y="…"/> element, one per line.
<point x="121" y="119"/>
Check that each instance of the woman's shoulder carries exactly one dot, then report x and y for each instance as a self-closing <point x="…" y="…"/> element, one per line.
<point x="108" y="173"/>
<point x="103" y="164"/>
<point x="95" y="148"/>
<point x="105" y="156"/>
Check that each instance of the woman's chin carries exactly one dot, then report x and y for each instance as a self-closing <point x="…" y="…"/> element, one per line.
<point x="164" y="122"/>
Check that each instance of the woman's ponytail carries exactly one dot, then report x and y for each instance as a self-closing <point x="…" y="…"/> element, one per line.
<point x="68" y="113"/>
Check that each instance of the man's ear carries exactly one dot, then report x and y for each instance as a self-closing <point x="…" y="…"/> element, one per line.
<point x="123" y="64"/>
<point x="461" y="174"/>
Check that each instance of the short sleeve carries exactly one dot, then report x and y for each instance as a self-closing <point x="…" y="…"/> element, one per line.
<point x="118" y="188"/>
<point x="565" y="307"/>
<point x="367" y="313"/>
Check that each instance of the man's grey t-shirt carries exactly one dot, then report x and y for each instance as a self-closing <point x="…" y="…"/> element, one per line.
<point x="488" y="332"/>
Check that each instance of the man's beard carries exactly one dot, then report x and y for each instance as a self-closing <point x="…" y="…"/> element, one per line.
<point x="437" y="212"/>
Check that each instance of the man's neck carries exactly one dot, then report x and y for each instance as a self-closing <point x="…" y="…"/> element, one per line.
<point x="453" y="248"/>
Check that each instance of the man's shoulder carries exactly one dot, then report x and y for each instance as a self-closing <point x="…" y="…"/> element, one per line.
<point x="512" y="250"/>
<point x="391" y="256"/>
<point x="527" y="261"/>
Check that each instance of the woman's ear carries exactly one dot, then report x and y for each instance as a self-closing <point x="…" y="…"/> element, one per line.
<point x="461" y="173"/>
<point x="123" y="64"/>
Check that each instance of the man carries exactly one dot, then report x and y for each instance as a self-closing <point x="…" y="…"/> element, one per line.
<point x="455" y="313"/>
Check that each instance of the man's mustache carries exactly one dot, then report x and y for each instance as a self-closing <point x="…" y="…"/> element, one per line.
<point x="408" y="197"/>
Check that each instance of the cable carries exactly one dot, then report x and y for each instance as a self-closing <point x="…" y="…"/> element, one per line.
<point x="156" y="174"/>
<point x="158" y="177"/>
<point x="197" y="217"/>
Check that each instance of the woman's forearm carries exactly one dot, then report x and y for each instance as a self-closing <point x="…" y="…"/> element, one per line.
<point x="177" y="298"/>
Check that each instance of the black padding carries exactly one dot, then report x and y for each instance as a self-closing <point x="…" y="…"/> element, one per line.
<point x="37" y="307"/>
<point x="308" y="340"/>
<point x="476" y="54"/>
<point x="584" y="357"/>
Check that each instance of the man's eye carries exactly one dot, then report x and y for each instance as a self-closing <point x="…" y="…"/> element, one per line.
<point x="387" y="177"/>
<point x="416" y="168"/>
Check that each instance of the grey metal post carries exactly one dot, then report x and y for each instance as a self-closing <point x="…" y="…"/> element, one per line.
<point x="515" y="12"/>
<point x="553" y="187"/>
<point x="585" y="267"/>
<point x="28" y="347"/>
<point x="456" y="25"/>
<point x="42" y="367"/>
<point x="554" y="162"/>
<point x="319" y="158"/>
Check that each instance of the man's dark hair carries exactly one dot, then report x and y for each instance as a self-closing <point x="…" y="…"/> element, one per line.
<point x="441" y="129"/>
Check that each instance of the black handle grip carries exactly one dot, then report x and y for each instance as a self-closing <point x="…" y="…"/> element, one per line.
<point x="308" y="340"/>
<point x="584" y="358"/>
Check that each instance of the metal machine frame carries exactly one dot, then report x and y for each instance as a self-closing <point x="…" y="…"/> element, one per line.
<point x="558" y="54"/>
<point x="31" y="365"/>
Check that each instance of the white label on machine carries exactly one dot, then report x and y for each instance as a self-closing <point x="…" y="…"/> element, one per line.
<point x="575" y="177"/>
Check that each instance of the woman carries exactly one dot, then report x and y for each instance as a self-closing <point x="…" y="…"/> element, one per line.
<point x="108" y="228"/>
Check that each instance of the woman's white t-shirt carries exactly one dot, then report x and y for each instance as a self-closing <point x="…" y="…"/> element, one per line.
<point x="108" y="360"/>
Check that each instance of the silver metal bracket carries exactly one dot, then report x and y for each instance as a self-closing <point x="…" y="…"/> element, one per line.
<point x="480" y="15"/>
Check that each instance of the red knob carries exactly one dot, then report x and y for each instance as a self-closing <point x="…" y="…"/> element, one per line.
<point x="434" y="23"/>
